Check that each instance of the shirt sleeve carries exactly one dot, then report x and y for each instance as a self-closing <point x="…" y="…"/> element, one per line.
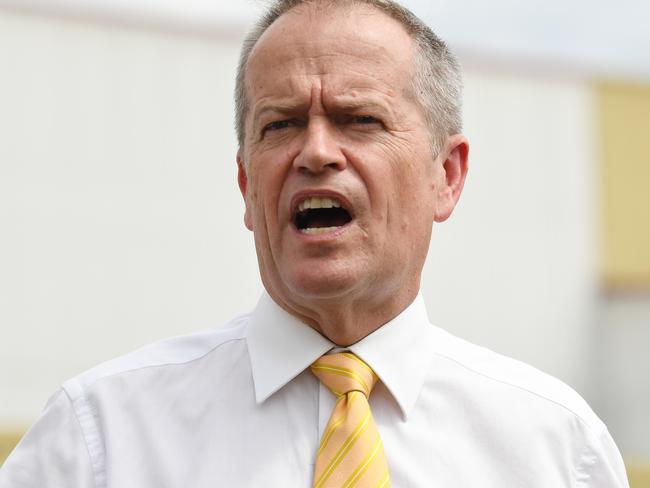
<point x="601" y="465"/>
<point x="52" y="453"/>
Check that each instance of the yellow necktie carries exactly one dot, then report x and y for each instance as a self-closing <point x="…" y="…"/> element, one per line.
<point x="350" y="452"/>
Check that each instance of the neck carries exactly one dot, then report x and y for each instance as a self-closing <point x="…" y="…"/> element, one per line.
<point x="345" y="322"/>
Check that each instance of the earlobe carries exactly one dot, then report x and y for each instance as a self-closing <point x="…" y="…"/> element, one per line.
<point x="455" y="167"/>
<point x="242" y="180"/>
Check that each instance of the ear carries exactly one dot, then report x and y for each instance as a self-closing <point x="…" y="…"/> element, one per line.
<point x="454" y="162"/>
<point x="242" y="180"/>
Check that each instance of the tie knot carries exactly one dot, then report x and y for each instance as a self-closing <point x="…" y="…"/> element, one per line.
<point x="344" y="372"/>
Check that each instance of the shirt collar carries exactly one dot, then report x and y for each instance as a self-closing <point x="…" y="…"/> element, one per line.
<point x="400" y="352"/>
<point x="281" y="347"/>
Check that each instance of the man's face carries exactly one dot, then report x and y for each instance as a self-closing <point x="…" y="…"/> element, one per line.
<point x="337" y="172"/>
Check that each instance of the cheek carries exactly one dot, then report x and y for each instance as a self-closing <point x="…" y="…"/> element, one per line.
<point x="412" y="186"/>
<point x="415" y="198"/>
<point x="263" y="202"/>
<point x="254" y="203"/>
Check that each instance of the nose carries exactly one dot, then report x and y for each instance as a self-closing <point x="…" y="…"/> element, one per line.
<point x="320" y="148"/>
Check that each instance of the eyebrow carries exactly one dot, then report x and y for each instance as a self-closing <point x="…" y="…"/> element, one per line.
<point x="277" y="107"/>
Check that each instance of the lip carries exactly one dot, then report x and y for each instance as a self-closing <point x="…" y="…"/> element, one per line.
<point x="307" y="193"/>
<point x="316" y="238"/>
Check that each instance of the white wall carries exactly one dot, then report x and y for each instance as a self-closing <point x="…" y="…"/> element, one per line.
<point x="120" y="221"/>
<point x="622" y="371"/>
<point x="515" y="267"/>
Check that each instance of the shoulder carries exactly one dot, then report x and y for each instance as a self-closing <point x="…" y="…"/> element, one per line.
<point x="510" y="410"/>
<point x="217" y="343"/>
<point x="508" y="385"/>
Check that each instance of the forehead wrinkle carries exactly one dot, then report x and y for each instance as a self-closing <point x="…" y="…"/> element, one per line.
<point x="312" y="63"/>
<point x="345" y="95"/>
<point x="353" y="103"/>
<point x="349" y="89"/>
<point x="341" y="88"/>
<point x="289" y="97"/>
<point x="327" y="96"/>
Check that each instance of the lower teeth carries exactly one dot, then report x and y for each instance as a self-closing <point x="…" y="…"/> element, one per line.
<point x="317" y="230"/>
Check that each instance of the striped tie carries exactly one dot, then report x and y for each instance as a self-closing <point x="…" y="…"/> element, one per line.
<point x="350" y="452"/>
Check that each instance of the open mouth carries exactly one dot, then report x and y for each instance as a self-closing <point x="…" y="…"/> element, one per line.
<point x="319" y="215"/>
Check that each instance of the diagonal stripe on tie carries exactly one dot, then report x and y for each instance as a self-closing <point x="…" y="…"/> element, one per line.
<point x="328" y="433"/>
<point x="339" y="415"/>
<point x="363" y="467"/>
<point x="343" y="450"/>
<point x="344" y="372"/>
<point x="385" y="481"/>
<point x="363" y="365"/>
<point x="351" y="454"/>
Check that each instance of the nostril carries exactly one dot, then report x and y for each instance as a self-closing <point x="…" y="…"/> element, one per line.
<point x="319" y="168"/>
<point x="319" y="157"/>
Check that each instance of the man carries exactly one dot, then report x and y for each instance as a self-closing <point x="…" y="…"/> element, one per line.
<point x="348" y="125"/>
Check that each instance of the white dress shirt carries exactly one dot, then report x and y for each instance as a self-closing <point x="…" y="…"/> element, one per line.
<point x="236" y="406"/>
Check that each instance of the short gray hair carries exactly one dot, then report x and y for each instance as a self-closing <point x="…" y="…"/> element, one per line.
<point x="436" y="84"/>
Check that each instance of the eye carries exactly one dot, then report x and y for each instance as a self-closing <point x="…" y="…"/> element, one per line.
<point x="277" y="125"/>
<point x="365" y="120"/>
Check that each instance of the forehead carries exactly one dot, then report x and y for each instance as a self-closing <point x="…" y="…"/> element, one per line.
<point x="339" y="46"/>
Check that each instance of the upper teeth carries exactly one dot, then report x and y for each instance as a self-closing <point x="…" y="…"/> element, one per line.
<point x="318" y="202"/>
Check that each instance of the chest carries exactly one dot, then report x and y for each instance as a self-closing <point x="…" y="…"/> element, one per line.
<point x="232" y="441"/>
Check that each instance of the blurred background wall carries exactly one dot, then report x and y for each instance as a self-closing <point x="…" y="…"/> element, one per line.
<point x="121" y="222"/>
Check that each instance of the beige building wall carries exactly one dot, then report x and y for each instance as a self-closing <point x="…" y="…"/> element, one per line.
<point x="624" y="313"/>
<point x="625" y="142"/>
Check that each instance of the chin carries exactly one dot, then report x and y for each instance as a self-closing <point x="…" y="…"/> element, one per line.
<point x="321" y="284"/>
